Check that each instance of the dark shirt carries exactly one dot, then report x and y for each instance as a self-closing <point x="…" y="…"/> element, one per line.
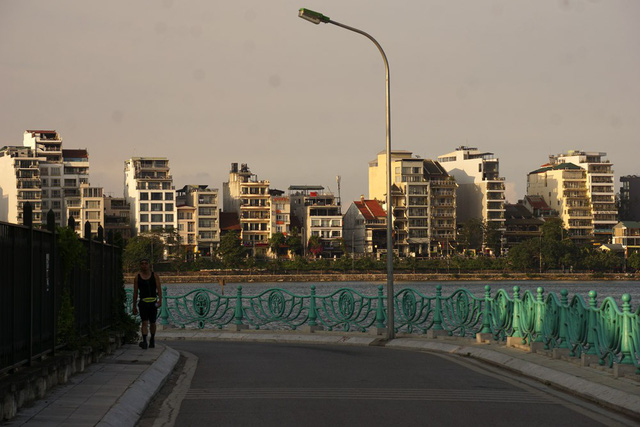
<point x="147" y="287"/>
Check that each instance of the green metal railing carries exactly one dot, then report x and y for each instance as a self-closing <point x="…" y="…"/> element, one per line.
<point x="582" y="327"/>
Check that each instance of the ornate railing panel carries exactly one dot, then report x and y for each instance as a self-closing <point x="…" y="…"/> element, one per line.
<point x="572" y="325"/>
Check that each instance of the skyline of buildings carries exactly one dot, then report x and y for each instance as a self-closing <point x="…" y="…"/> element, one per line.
<point x="431" y="199"/>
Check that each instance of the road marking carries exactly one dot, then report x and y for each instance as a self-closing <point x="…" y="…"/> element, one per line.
<point x="498" y="396"/>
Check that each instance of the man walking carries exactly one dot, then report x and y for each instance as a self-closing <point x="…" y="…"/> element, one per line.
<point x="148" y="284"/>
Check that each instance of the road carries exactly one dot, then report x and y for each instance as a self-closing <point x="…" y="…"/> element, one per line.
<point x="249" y="384"/>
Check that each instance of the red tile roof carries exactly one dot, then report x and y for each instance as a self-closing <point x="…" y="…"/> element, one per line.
<point x="370" y="209"/>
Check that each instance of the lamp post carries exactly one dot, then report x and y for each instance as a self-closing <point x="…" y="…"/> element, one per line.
<point x="317" y="18"/>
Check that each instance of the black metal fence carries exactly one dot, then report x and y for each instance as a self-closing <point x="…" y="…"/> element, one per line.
<point x="31" y="286"/>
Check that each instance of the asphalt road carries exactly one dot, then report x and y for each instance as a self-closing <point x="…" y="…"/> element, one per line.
<point x="259" y="384"/>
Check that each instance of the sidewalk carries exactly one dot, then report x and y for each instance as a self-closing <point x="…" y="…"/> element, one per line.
<point x="117" y="390"/>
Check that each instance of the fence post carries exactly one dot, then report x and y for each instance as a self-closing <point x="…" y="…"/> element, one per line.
<point x="27" y="218"/>
<point x="51" y="226"/>
<point x="539" y="314"/>
<point x="437" y="315"/>
<point x="380" y="310"/>
<point x="591" y="323"/>
<point x="626" y="343"/>
<point x="164" y="308"/>
<point x="486" y="323"/>
<point x="238" y="312"/>
<point x="313" y="315"/>
<point x="516" y="312"/>
<point x="562" y="332"/>
<point x="87" y="236"/>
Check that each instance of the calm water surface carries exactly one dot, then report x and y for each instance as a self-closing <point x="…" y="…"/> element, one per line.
<point x="613" y="289"/>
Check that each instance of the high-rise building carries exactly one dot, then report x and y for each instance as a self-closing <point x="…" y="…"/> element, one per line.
<point x="249" y="198"/>
<point x="480" y="192"/>
<point x="148" y="188"/>
<point x="206" y="219"/>
<point x="47" y="144"/>
<point x="280" y="212"/>
<point x="423" y="196"/>
<point x="630" y="198"/>
<point x="564" y="189"/>
<point x="19" y="183"/>
<point x="600" y="188"/>
<point x="117" y="216"/>
<point x="320" y="214"/>
<point x="86" y="206"/>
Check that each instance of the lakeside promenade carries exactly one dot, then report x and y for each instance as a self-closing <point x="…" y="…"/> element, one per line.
<point x="323" y="276"/>
<point x="137" y="375"/>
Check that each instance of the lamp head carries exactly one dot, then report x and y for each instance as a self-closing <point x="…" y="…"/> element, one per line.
<point x="311" y="16"/>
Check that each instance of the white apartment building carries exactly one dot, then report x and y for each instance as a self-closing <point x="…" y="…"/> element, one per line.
<point x="365" y="227"/>
<point x="249" y="198"/>
<point x="19" y="183"/>
<point x="480" y="192"/>
<point x="187" y="228"/>
<point x="423" y="197"/>
<point x="600" y="188"/>
<point x="207" y="221"/>
<point x="86" y="206"/>
<point x="148" y="188"/>
<point x="320" y="214"/>
<point x="564" y="188"/>
<point x="117" y="216"/>
<point x="280" y="212"/>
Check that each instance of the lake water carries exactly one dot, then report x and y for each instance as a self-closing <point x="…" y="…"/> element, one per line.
<point x="604" y="289"/>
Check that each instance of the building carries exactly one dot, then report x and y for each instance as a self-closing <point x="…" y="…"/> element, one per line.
<point x="365" y="227"/>
<point x="423" y="196"/>
<point x="320" y="213"/>
<point x="117" y="217"/>
<point x="520" y="224"/>
<point x="480" y="192"/>
<point x="600" y="189"/>
<point x="627" y="234"/>
<point x="187" y="235"/>
<point x="205" y="216"/>
<point x="86" y="206"/>
<point x="537" y="206"/>
<point x="249" y="198"/>
<point x="149" y="190"/>
<point x="630" y="198"/>
<point x="280" y="212"/>
<point x="564" y="189"/>
<point x="20" y="183"/>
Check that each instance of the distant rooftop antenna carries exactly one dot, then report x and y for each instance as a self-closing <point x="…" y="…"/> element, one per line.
<point x="338" y="179"/>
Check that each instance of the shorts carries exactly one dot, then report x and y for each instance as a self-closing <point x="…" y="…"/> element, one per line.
<point x="148" y="311"/>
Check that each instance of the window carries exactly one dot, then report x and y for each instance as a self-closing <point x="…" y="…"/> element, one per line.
<point x="168" y="196"/>
<point x="55" y="182"/>
<point x="180" y="227"/>
<point x="55" y="204"/>
<point x="168" y="218"/>
<point x="144" y="207"/>
<point x="156" y="196"/>
<point x="156" y="228"/>
<point x="144" y="196"/>
<point x="156" y="217"/>
<point x="92" y="204"/>
<point x="144" y="228"/>
<point x="144" y="217"/>
<point x="168" y="227"/>
<point x="168" y="207"/>
<point x="45" y="182"/>
<point x="92" y="215"/>
<point x="44" y="171"/>
<point x="156" y="207"/>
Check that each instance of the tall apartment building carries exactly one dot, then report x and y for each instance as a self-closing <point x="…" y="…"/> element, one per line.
<point x="186" y="228"/>
<point x="365" y="227"/>
<point x="480" y="187"/>
<point x="564" y="188"/>
<point x="280" y="212"/>
<point x="47" y="144"/>
<point x="320" y="213"/>
<point x="600" y="189"/>
<point x="148" y="188"/>
<point x="249" y="198"/>
<point x="423" y="197"/>
<point x="19" y="183"/>
<point x="117" y="216"/>
<point x="86" y="206"/>
<point x="630" y="198"/>
<point x="206" y="218"/>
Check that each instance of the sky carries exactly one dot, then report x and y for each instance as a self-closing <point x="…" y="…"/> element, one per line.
<point x="209" y="83"/>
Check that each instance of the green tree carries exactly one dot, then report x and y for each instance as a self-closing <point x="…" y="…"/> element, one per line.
<point x="493" y="237"/>
<point x="634" y="260"/>
<point x="471" y="234"/>
<point x="295" y="242"/>
<point x="146" y="245"/>
<point x="315" y="246"/>
<point x="276" y="242"/>
<point x="231" y="250"/>
<point x="525" y="256"/>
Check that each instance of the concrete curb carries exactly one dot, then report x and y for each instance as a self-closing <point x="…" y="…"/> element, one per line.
<point x="598" y="393"/>
<point x="131" y="405"/>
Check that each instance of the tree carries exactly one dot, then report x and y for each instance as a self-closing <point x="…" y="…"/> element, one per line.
<point x="294" y="242"/>
<point x="525" y="256"/>
<point x="471" y="234"/>
<point x="231" y="249"/>
<point x="315" y="246"/>
<point x="142" y="246"/>
<point x="276" y="242"/>
<point x="493" y="237"/>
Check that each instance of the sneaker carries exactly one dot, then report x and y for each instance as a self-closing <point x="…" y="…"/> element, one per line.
<point x="143" y="345"/>
<point x="152" y="343"/>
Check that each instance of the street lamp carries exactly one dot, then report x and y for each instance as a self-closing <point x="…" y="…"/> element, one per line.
<point x="317" y="18"/>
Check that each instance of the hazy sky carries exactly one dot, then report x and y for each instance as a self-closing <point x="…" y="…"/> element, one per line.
<point x="208" y="83"/>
